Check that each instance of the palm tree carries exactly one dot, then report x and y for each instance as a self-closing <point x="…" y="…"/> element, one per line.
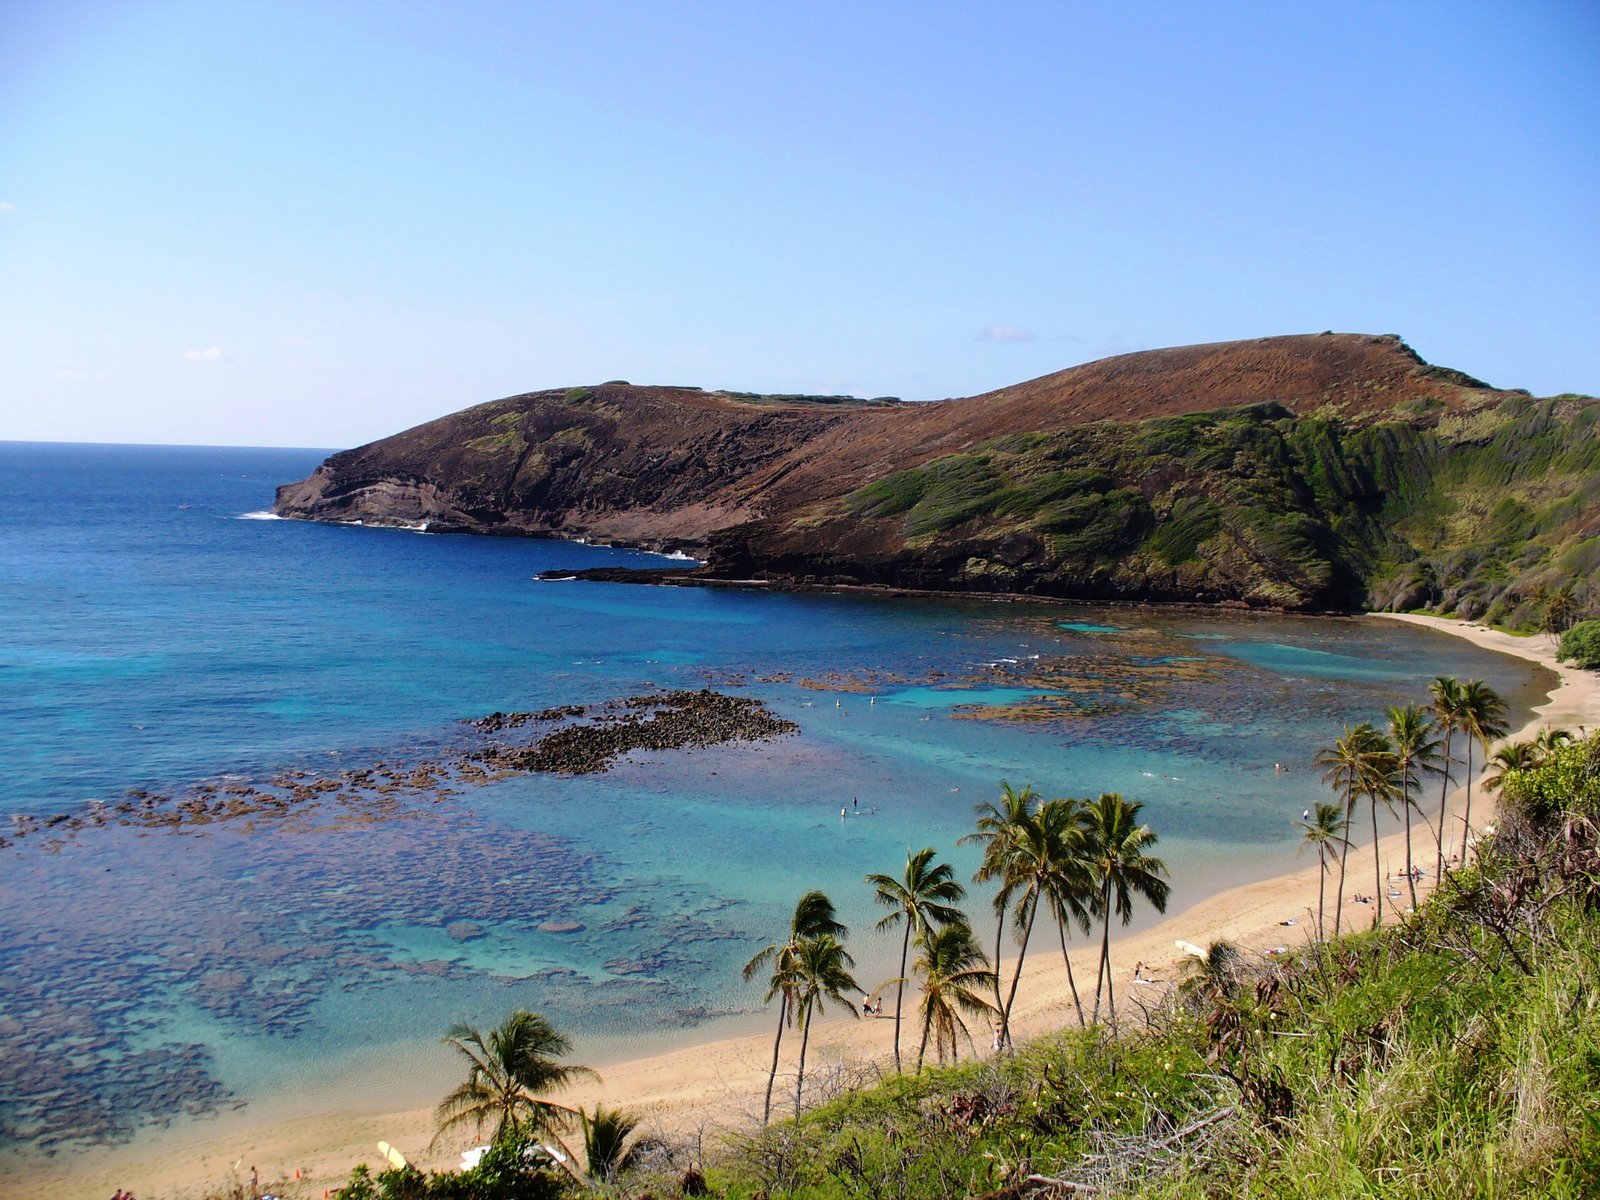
<point x="1446" y="692"/>
<point x="1039" y="859"/>
<point x="813" y="917"/>
<point x="822" y="973"/>
<point x="1483" y="721"/>
<point x="1070" y="886"/>
<point x="1348" y="764"/>
<point x="1215" y="976"/>
<point x="508" y="1071"/>
<point x="605" y="1137"/>
<point x="923" y="897"/>
<point x="1323" y="830"/>
<point x="999" y="828"/>
<point x="1034" y="870"/>
<point x="952" y="966"/>
<point x="1560" y="611"/>
<point x="1378" y="785"/>
<point x="1513" y="756"/>
<point x="1551" y="738"/>
<point x="1120" y="862"/>
<point x="1415" y="750"/>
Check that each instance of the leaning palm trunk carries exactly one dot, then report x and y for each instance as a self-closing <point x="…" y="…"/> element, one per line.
<point x="900" y="994"/>
<point x="1466" y="817"/>
<point x="1444" y="793"/>
<point x="922" y="1050"/>
<point x="1411" y="870"/>
<point x="1322" y="892"/>
<point x="1377" y="866"/>
<point x="772" y="1077"/>
<point x="999" y="1003"/>
<point x="1071" y="983"/>
<point x="800" y="1075"/>
<point x="1338" y="901"/>
<point x="1105" y="967"/>
<point x="1022" y="954"/>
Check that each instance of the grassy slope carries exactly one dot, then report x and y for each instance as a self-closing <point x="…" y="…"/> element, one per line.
<point x="1479" y="512"/>
<point x="1421" y="1061"/>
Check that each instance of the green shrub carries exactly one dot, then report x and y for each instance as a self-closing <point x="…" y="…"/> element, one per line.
<point x="1580" y="646"/>
<point x="959" y="487"/>
<point x="888" y="497"/>
<point x="507" y="1171"/>
<point x="1567" y="779"/>
<point x="1192" y="520"/>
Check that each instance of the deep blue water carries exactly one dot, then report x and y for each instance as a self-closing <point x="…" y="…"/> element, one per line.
<point x="154" y="635"/>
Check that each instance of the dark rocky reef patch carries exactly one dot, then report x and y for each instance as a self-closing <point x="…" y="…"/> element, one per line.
<point x="587" y="741"/>
<point x="673" y="721"/>
<point x="89" y="1056"/>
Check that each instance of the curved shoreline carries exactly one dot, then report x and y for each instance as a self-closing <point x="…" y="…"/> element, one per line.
<point x="718" y="1084"/>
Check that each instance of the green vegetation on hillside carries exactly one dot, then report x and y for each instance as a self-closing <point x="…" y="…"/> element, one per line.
<point x="1484" y="513"/>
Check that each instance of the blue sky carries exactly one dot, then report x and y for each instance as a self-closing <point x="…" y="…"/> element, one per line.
<point x="312" y="224"/>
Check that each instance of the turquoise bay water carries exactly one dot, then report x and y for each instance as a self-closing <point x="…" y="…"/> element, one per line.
<point x="155" y="635"/>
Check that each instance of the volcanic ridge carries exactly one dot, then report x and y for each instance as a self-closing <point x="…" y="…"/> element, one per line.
<point x="1304" y="472"/>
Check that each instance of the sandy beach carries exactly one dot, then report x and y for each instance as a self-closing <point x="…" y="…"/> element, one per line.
<point x="710" y="1087"/>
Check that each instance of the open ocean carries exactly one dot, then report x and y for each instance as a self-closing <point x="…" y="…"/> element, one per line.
<point x="158" y="634"/>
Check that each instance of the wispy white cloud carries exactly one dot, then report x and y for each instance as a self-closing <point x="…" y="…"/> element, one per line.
<point x="70" y="370"/>
<point x="7" y="207"/>
<point x="1004" y="333"/>
<point x="211" y="354"/>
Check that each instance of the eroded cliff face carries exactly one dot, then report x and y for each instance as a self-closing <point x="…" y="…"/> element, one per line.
<point x="656" y="467"/>
<point x="1286" y="472"/>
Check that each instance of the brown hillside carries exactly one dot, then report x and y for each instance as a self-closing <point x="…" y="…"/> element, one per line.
<point x="1358" y="373"/>
<point x="679" y="467"/>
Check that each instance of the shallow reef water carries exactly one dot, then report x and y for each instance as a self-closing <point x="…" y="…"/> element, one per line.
<point x="340" y="889"/>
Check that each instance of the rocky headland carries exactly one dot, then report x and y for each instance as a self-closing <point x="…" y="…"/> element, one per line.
<point x="1305" y="473"/>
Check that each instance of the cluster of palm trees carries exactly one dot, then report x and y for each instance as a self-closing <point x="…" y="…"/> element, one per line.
<point x="1077" y="859"/>
<point x="1384" y="767"/>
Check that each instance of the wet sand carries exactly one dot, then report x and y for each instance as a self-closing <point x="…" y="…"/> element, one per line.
<point x="718" y="1085"/>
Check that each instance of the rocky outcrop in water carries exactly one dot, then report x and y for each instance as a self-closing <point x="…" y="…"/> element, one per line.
<point x="585" y="740"/>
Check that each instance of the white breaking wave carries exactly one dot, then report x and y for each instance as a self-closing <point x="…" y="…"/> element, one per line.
<point x="261" y="516"/>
